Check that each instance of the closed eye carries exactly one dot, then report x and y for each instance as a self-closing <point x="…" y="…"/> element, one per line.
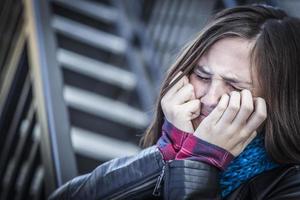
<point x="207" y="79"/>
<point x="235" y="88"/>
<point x="202" y="77"/>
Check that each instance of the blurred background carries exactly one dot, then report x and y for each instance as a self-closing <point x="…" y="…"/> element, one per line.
<point x="79" y="80"/>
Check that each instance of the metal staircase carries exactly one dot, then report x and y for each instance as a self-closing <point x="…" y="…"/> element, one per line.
<point x="79" y="79"/>
<point x="106" y="86"/>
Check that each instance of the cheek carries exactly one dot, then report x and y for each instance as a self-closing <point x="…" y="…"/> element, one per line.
<point x="199" y="86"/>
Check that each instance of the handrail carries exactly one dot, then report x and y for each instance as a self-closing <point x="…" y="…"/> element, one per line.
<point x="57" y="152"/>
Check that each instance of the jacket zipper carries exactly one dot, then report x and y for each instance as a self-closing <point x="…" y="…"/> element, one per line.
<point x="135" y="188"/>
<point x="157" y="189"/>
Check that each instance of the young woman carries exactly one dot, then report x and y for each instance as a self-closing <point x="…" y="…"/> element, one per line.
<point x="227" y="122"/>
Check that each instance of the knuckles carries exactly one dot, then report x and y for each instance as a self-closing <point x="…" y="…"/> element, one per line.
<point x="244" y="135"/>
<point x="261" y="112"/>
<point x="190" y="88"/>
<point x="261" y="115"/>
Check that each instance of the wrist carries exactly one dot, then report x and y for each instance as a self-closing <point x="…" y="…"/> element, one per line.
<point x="197" y="149"/>
<point x="171" y="140"/>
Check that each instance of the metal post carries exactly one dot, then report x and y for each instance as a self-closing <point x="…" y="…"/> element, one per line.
<point x="57" y="152"/>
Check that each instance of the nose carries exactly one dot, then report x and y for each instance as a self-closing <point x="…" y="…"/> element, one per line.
<point x="212" y="96"/>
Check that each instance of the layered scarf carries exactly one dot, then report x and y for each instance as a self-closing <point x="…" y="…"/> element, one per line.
<point x="251" y="162"/>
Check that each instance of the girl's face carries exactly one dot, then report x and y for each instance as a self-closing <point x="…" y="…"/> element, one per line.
<point x="225" y="67"/>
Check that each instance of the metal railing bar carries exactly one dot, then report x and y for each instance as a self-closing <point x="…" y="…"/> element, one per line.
<point x="168" y="28"/>
<point x="56" y="147"/>
<point x="163" y="17"/>
<point x="20" y="154"/>
<point x="21" y="110"/>
<point x="145" y="88"/>
<point x="147" y="46"/>
<point x="27" y="171"/>
<point x="10" y="33"/>
<point x="4" y="16"/>
<point x="179" y="26"/>
<point x="36" y="187"/>
<point x="7" y="76"/>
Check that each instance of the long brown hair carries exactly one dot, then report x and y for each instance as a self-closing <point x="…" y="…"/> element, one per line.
<point x="275" y="57"/>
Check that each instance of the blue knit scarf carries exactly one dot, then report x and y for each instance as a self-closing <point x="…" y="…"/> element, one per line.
<point x="252" y="161"/>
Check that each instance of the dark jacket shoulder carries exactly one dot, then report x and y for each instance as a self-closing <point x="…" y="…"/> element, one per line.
<point x="279" y="183"/>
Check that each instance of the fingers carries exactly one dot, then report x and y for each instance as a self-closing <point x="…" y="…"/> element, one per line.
<point x="232" y="109"/>
<point x="180" y="83"/>
<point x="258" y="116"/>
<point x="217" y="113"/>
<point x="246" y="108"/>
<point x="192" y="107"/>
<point x="184" y="94"/>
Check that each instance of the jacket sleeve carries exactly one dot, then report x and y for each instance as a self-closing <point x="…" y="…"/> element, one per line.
<point x="141" y="176"/>
<point x="188" y="179"/>
<point x="122" y="178"/>
<point x="136" y="177"/>
<point x="171" y="140"/>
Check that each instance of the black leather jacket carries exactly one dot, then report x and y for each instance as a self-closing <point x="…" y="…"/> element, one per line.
<point x="147" y="176"/>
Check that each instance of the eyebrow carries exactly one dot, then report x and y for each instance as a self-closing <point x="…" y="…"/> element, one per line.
<point x="228" y="79"/>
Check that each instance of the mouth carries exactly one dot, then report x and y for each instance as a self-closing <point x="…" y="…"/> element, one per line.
<point x="203" y="114"/>
<point x="201" y="117"/>
<point x="198" y="120"/>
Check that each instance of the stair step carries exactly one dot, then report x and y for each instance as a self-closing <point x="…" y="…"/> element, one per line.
<point x="96" y="10"/>
<point x="100" y="147"/>
<point x="89" y="35"/>
<point x="104" y="107"/>
<point x="96" y="69"/>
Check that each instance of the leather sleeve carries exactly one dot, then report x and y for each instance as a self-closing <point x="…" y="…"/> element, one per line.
<point x="122" y="178"/>
<point x="187" y="179"/>
<point x="138" y="177"/>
